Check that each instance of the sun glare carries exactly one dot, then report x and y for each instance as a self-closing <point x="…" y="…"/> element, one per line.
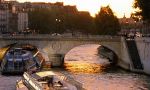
<point x="120" y="7"/>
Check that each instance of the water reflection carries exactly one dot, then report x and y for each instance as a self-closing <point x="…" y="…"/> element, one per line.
<point x="82" y="63"/>
<point x="112" y="81"/>
<point x="85" y="59"/>
<point x="83" y="67"/>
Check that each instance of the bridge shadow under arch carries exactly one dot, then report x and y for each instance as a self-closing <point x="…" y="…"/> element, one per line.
<point x="105" y="52"/>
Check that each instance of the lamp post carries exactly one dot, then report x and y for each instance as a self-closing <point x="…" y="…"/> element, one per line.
<point x="57" y="26"/>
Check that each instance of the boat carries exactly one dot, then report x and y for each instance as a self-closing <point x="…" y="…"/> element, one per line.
<point x="18" y="60"/>
<point x="13" y="61"/>
<point x="47" y="80"/>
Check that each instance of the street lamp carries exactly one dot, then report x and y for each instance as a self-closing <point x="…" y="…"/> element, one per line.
<point x="58" y="20"/>
<point x="57" y="26"/>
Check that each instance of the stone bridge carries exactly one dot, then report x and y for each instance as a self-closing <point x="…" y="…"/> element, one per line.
<point x="61" y="45"/>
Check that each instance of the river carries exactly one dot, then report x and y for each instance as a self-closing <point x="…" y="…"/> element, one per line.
<point x="84" y="64"/>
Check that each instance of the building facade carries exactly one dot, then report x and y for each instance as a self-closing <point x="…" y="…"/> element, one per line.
<point x="4" y="17"/>
<point x="13" y="24"/>
<point x="129" y="25"/>
<point x="22" y="21"/>
<point x="13" y="17"/>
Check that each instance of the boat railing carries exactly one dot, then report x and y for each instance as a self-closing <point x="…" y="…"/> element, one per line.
<point x="32" y="81"/>
<point x="71" y="81"/>
<point x="38" y="86"/>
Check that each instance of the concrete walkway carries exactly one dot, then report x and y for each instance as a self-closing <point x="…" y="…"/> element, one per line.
<point x="8" y="82"/>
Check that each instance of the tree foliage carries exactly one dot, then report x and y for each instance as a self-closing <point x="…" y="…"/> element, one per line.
<point x="143" y="9"/>
<point x="46" y="20"/>
<point x="106" y="22"/>
<point x="84" y="22"/>
<point x="58" y="21"/>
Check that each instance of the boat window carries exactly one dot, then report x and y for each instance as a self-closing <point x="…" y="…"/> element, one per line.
<point x="10" y="64"/>
<point x="18" y="65"/>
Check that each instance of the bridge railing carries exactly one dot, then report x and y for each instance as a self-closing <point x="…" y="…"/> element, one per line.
<point x="48" y="36"/>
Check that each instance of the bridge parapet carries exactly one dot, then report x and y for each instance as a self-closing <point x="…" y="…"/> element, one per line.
<point x="60" y="45"/>
<point x="50" y="37"/>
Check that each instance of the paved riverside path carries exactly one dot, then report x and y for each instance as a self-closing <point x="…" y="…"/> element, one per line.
<point x="8" y="82"/>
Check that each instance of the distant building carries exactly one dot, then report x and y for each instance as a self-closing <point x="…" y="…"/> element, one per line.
<point x="13" y="24"/>
<point x="129" y="25"/>
<point x="40" y="5"/>
<point x="19" y="7"/>
<point x="4" y="17"/>
<point x="22" y="21"/>
<point x="13" y="16"/>
<point x="70" y="9"/>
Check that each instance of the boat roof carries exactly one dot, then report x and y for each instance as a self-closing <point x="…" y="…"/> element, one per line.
<point x="18" y="48"/>
<point x="45" y="73"/>
<point x="42" y="74"/>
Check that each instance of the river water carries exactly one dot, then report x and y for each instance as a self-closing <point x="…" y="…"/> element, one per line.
<point x="84" y="65"/>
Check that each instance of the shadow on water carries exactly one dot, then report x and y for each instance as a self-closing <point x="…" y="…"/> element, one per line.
<point x="115" y="69"/>
<point x="12" y="74"/>
<point x="107" y="53"/>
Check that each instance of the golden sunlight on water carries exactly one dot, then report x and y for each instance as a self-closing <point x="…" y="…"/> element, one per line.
<point x="84" y="67"/>
<point x="85" y="59"/>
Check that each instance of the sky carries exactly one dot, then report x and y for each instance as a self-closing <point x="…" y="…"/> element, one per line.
<point x="119" y="7"/>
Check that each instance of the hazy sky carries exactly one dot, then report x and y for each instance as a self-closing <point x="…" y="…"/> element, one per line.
<point x="93" y="6"/>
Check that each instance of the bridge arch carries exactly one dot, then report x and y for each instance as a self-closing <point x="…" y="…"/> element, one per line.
<point x="66" y="46"/>
<point x="84" y="47"/>
<point x="100" y="50"/>
<point x="86" y="58"/>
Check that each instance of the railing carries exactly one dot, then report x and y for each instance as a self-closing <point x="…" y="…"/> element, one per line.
<point x="32" y="81"/>
<point x="48" y="36"/>
<point x="70" y="80"/>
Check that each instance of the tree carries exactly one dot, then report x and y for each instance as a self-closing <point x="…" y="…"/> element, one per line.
<point x="84" y="22"/>
<point x="106" y="22"/>
<point x="46" y="20"/>
<point x="39" y="19"/>
<point x="142" y="9"/>
<point x="76" y="21"/>
<point x="59" y="20"/>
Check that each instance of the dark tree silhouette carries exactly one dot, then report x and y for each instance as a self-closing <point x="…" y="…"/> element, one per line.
<point x="142" y="9"/>
<point x="106" y="22"/>
<point x="42" y="20"/>
<point x="59" y="20"/>
<point x="68" y="18"/>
